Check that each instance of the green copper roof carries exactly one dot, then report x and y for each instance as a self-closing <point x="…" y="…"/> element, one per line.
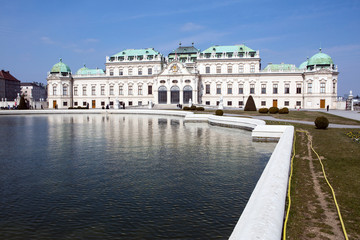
<point x="136" y="52"/>
<point x="87" y="71"/>
<point x="320" y="59"/>
<point x="228" y="49"/>
<point x="278" y="67"/>
<point x="185" y="50"/>
<point x="303" y="65"/>
<point x="60" y="67"/>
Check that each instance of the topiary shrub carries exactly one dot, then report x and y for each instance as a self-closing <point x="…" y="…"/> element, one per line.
<point x="250" y="104"/>
<point x="193" y="108"/>
<point x="263" y="110"/>
<point x="284" y="110"/>
<point x="321" y="122"/>
<point x="186" y="108"/>
<point x="273" y="110"/>
<point x="70" y="108"/>
<point x="22" y="104"/>
<point x="200" y="109"/>
<point x="219" y="112"/>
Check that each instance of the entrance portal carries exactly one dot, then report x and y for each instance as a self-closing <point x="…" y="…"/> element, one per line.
<point x="322" y="103"/>
<point x="187" y="94"/>
<point x="175" y="94"/>
<point x="274" y="102"/>
<point x="54" y="104"/>
<point x="162" y="95"/>
<point x="93" y="104"/>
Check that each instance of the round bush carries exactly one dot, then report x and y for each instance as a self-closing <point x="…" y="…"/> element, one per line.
<point x="219" y="112"/>
<point x="284" y="110"/>
<point x="273" y="110"/>
<point x="263" y="110"/>
<point x="321" y="122"/>
<point x="200" y="109"/>
<point x="193" y="108"/>
<point x="186" y="108"/>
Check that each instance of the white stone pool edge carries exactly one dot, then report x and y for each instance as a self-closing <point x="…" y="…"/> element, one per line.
<point x="263" y="215"/>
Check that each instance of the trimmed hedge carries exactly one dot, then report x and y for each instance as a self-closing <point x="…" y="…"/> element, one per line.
<point x="284" y="110"/>
<point x="200" y="109"/>
<point x="193" y="108"/>
<point x="273" y="110"/>
<point x="250" y="104"/>
<point x="219" y="112"/>
<point x="186" y="108"/>
<point x="321" y="122"/>
<point x="263" y="110"/>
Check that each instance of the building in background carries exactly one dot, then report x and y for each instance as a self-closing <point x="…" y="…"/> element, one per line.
<point x="136" y="77"/>
<point x="9" y="86"/>
<point x="35" y="93"/>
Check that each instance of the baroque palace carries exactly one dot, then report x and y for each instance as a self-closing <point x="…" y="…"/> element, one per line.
<point x="136" y="77"/>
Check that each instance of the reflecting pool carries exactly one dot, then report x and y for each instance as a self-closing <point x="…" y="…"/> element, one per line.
<point x="123" y="177"/>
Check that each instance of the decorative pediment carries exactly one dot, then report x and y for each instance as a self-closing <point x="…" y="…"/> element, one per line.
<point x="175" y="68"/>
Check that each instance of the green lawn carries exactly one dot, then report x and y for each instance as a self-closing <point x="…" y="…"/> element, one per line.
<point x="341" y="158"/>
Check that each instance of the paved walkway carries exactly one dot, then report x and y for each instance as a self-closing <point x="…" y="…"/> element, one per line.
<point x="339" y="113"/>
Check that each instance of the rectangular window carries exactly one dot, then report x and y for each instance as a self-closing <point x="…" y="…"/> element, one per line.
<point x="130" y="103"/>
<point x="263" y="88"/>
<point x="218" y="88"/>
<point x="241" y="103"/>
<point x="207" y="89"/>
<point x="241" y="68"/>
<point x="121" y="72"/>
<point x="263" y="103"/>
<point x="229" y="89"/>
<point x="149" y="71"/>
<point x="140" y="90"/>
<point x="275" y="89"/>
<point x="322" y="87"/>
<point x="229" y="103"/>
<point x="84" y="91"/>
<point x="287" y="88"/>
<point x="102" y="90"/>
<point x="334" y="87"/>
<point x="286" y="103"/>
<point x="93" y="90"/>
<point x="75" y="103"/>
<point x="241" y="89"/>
<point x="75" y="91"/>
<point x="207" y="70"/>
<point x="64" y="104"/>
<point x="111" y="103"/>
<point x="252" y="88"/>
<point x="229" y="69"/>
<point x="207" y="103"/>
<point x="130" y="90"/>
<point x="121" y="90"/>
<point x="139" y="71"/>
<point x="298" y="103"/>
<point x="252" y="68"/>
<point x="111" y="90"/>
<point x="130" y="71"/>
<point x="150" y="90"/>
<point x="65" y="90"/>
<point x="218" y="69"/>
<point x="111" y="72"/>
<point x="84" y="103"/>
<point x="102" y="103"/>
<point x="140" y="103"/>
<point x="309" y="87"/>
<point x="298" y="88"/>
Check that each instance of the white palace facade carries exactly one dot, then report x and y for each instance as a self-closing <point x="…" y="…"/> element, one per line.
<point x="136" y="77"/>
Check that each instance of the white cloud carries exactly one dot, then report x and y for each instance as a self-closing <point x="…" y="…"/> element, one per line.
<point x="187" y="27"/>
<point x="47" y="40"/>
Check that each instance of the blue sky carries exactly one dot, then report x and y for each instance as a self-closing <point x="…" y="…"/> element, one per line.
<point x="35" y="34"/>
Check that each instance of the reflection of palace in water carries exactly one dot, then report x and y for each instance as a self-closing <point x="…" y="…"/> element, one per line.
<point x="137" y="77"/>
<point x="145" y="132"/>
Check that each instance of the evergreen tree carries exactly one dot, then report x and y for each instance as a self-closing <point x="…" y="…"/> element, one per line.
<point x="250" y="104"/>
<point x="22" y="104"/>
